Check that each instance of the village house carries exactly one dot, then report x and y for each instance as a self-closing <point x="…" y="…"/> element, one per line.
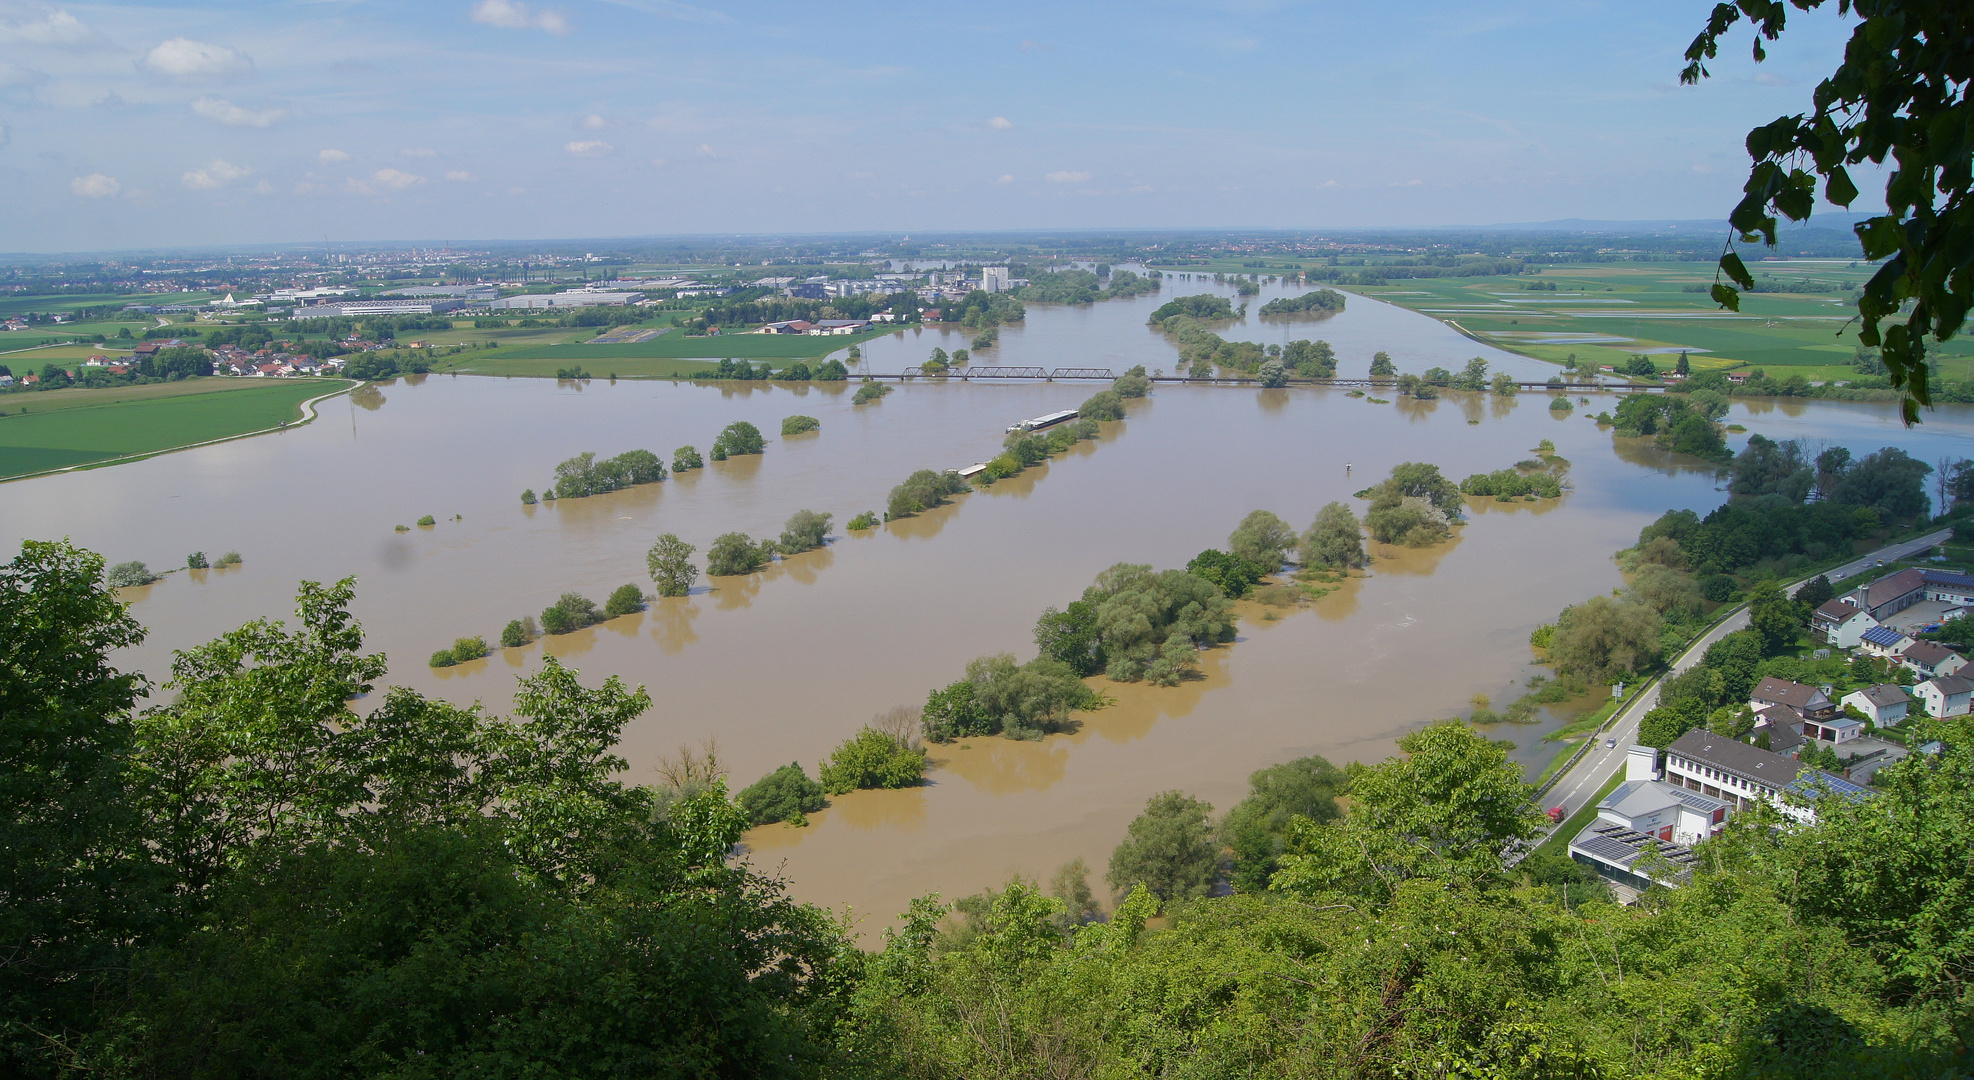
<point x="1883" y="642"/>
<point x="1927" y="659"/>
<point x="1890" y="595"/>
<point x="1841" y="623"/>
<point x="1810" y="701"/>
<point x="1645" y="814"/>
<point x="1743" y="775"/>
<point x="1945" y="695"/>
<point x="1883" y="703"/>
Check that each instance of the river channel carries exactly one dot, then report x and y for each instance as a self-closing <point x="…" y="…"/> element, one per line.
<point x="783" y="665"/>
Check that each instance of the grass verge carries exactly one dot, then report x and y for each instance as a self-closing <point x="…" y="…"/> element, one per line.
<point x="60" y="429"/>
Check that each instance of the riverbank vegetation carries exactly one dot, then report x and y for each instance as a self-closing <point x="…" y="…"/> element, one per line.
<point x="1315" y="301"/>
<point x="1083" y="287"/>
<point x="999" y="696"/>
<point x="786" y="794"/>
<point x="738" y="438"/>
<point x="799" y="425"/>
<point x="670" y="564"/>
<point x="805" y="530"/>
<point x="734" y="554"/>
<point x="570" y="612"/>
<point x="583" y="475"/>
<point x="1413" y="507"/>
<point x="463" y="650"/>
<point x="870" y="391"/>
<point x="1137" y="624"/>
<point x="1540" y="477"/>
<point x="495" y="878"/>
<point x="921" y="491"/>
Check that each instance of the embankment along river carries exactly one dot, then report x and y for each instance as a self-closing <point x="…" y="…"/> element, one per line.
<point x="781" y="666"/>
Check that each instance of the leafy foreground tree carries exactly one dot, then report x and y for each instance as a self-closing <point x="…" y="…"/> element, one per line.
<point x="1399" y="946"/>
<point x="254" y="880"/>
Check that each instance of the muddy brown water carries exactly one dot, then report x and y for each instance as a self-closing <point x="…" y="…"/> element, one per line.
<point x="781" y="666"/>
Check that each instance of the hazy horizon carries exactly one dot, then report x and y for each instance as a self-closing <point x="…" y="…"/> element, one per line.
<point x="145" y="126"/>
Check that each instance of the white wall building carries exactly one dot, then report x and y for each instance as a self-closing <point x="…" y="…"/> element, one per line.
<point x="994" y="279"/>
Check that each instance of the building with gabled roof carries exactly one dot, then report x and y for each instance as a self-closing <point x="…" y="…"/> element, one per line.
<point x="1811" y="701"/>
<point x="1945" y="695"/>
<point x="1927" y="659"/>
<point x="1891" y="594"/>
<point x="1883" y="641"/>
<point x="1884" y="704"/>
<point x="1841" y="623"/>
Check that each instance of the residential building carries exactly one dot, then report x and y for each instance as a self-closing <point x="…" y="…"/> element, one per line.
<point x="1645" y="814"/>
<point x="1743" y="775"/>
<point x="1950" y="586"/>
<point x="1841" y="623"/>
<point x="1810" y="701"/>
<point x="1883" y="641"/>
<point x="1945" y="695"/>
<point x="1927" y="659"/>
<point x="1835" y="730"/>
<point x="1884" y="703"/>
<point x="994" y="279"/>
<point x="1892" y="594"/>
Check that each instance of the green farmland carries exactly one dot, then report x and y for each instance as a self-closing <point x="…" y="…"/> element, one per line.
<point x="1605" y="313"/>
<point x="63" y="428"/>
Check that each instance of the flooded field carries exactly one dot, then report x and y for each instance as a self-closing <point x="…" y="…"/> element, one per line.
<point x="781" y="666"/>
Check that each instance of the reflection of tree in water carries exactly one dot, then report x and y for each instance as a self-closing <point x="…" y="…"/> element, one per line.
<point x="1411" y="561"/>
<point x="1762" y="406"/>
<point x="627" y="625"/>
<point x="803" y="568"/>
<point x="1501" y="405"/>
<point x="671" y="623"/>
<point x="926" y="525"/>
<point x="596" y="510"/>
<point x="1415" y="410"/>
<point x="738" y="467"/>
<point x="1473" y="407"/>
<point x="903" y="808"/>
<point x="464" y="670"/>
<point x="1022" y="484"/>
<point x="1138" y="706"/>
<point x="1006" y="766"/>
<point x="571" y="644"/>
<point x="1274" y="399"/>
<point x="368" y="397"/>
<point x="732" y="593"/>
<point x="1641" y="451"/>
<point x="415" y="379"/>
<point x="1488" y="505"/>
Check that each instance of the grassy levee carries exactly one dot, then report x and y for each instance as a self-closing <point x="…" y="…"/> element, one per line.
<point x="60" y="429"/>
<point x="678" y="346"/>
<point x="490" y="363"/>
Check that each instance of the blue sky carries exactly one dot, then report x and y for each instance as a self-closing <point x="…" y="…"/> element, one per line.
<point x="143" y="125"/>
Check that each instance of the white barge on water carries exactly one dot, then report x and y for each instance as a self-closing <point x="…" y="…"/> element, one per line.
<point x="1040" y="422"/>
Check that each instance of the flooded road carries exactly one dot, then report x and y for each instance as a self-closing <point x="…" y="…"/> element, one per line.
<point x="782" y="666"/>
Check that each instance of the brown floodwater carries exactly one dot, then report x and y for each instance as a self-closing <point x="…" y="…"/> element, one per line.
<point x="781" y="666"/>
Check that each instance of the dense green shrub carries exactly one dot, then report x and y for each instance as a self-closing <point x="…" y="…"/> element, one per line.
<point x="527" y="496"/>
<point x="806" y="530"/>
<point x="427" y="521"/>
<point x="623" y="600"/>
<point x="231" y="558"/>
<point x="870" y="391"/>
<point x="733" y="553"/>
<point x="517" y="632"/>
<point x="584" y="475"/>
<point x="1134" y="383"/>
<point x="1234" y="575"/>
<point x="739" y="437"/>
<point x="571" y="611"/>
<point x="866" y="520"/>
<point x="1001" y="697"/>
<point x="922" y="491"/>
<point x="686" y="457"/>
<point x="796" y="425"/>
<point x="786" y="794"/>
<point x="196" y="561"/>
<point x="871" y="759"/>
<point x="831" y="371"/>
<point x="126" y="574"/>
<point x="1103" y="405"/>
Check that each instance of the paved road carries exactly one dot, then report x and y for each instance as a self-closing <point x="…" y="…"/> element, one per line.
<point x="1594" y="769"/>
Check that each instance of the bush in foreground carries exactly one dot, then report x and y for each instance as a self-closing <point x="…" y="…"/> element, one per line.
<point x="872" y="759"/>
<point x="786" y="794"/>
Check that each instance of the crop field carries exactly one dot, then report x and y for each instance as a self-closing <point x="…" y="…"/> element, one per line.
<point x="1606" y="313"/>
<point x="23" y="360"/>
<point x="545" y="367"/>
<point x="17" y="305"/>
<point x="62" y="428"/>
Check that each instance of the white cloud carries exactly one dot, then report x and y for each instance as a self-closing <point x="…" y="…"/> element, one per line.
<point x="419" y="151"/>
<point x="1067" y="177"/>
<point x="263" y="188"/>
<point x="595" y="122"/>
<point x="461" y="177"/>
<point x="333" y="155"/>
<point x="232" y="115"/>
<point x="395" y="180"/>
<point x="1005" y="178"/>
<point x="95" y="186"/>
<point x="514" y="15"/>
<point x="183" y="58"/>
<point x="55" y="27"/>
<point x="303" y="187"/>
<point x="589" y="148"/>
<point x="216" y="175"/>
<point x="1001" y="123"/>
